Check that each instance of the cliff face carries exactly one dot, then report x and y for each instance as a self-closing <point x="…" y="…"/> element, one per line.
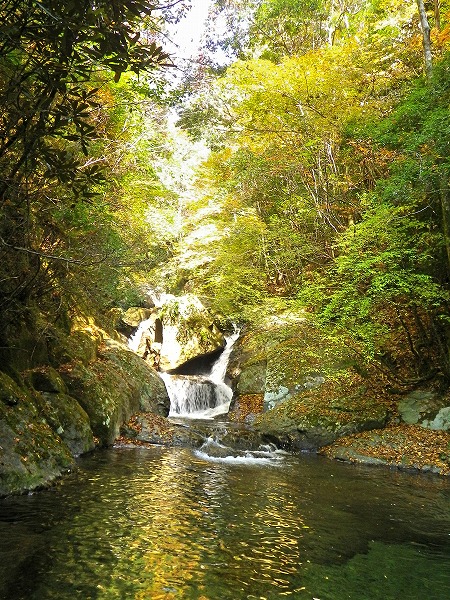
<point x="66" y="399"/>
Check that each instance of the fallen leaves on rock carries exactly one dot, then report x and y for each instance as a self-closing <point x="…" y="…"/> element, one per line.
<point x="247" y="405"/>
<point x="403" y="446"/>
<point x="157" y="429"/>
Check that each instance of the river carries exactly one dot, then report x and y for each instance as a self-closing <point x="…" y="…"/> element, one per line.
<point x="171" y="523"/>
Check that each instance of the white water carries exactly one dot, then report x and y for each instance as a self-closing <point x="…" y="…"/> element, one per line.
<point x="201" y="397"/>
<point x="135" y="339"/>
<point x="214" y="451"/>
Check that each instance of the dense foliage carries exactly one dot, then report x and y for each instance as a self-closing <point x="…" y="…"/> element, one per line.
<point x="326" y="186"/>
<point x="69" y="133"/>
<point x="330" y="153"/>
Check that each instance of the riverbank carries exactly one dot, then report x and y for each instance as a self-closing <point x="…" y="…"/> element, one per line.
<point x="68" y="400"/>
<point x="404" y="447"/>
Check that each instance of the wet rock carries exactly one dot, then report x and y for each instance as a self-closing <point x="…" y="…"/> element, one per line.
<point x="153" y="429"/>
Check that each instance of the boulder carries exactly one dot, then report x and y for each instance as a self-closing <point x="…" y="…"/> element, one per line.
<point x="405" y="447"/>
<point x="188" y="331"/>
<point x="425" y="408"/>
<point x="113" y="388"/>
<point x="32" y="454"/>
<point x="154" y="429"/>
<point x="134" y="315"/>
<point x="66" y="418"/>
<point x="62" y="412"/>
<point x="317" y="417"/>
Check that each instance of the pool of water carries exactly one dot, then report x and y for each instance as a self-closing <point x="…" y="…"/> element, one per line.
<point x="173" y="524"/>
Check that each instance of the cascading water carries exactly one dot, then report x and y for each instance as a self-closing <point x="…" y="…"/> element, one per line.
<point x="202" y="396"/>
<point x="135" y="339"/>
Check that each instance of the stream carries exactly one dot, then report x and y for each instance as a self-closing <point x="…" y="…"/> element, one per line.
<point x="168" y="523"/>
<point x="214" y="523"/>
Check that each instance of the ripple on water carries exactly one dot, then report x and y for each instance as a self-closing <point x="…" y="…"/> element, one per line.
<point x="172" y="524"/>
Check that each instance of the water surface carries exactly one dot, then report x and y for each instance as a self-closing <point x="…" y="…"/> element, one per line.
<point x="171" y="524"/>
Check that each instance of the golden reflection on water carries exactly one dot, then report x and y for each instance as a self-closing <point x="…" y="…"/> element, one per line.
<point x="185" y="537"/>
<point x="166" y="525"/>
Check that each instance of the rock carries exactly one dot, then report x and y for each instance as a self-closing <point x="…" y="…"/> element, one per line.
<point x="441" y="421"/>
<point x="66" y="417"/>
<point x="188" y="331"/>
<point x="246" y="408"/>
<point x="157" y="430"/>
<point x="80" y="345"/>
<point x="317" y="417"/>
<point x="252" y="379"/>
<point x="22" y="347"/>
<point x="309" y="382"/>
<point x="154" y="429"/>
<point x="113" y="388"/>
<point x="271" y="399"/>
<point x="32" y="455"/>
<point x="425" y="408"/>
<point x="134" y="315"/>
<point x="405" y="447"/>
<point x="46" y="379"/>
<point x="288" y="358"/>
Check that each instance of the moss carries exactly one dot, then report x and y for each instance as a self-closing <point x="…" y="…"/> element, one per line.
<point x="133" y="316"/>
<point x="31" y="453"/>
<point x="314" y="418"/>
<point x="45" y="379"/>
<point x="66" y="418"/>
<point x="113" y="388"/>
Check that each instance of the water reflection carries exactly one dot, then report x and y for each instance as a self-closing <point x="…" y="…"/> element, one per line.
<point x="165" y="524"/>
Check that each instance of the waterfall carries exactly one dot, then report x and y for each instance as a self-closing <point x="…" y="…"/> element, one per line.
<point x="135" y="340"/>
<point x="202" y="396"/>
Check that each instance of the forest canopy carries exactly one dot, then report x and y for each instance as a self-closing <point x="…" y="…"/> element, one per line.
<point x="324" y="188"/>
<point x="74" y="121"/>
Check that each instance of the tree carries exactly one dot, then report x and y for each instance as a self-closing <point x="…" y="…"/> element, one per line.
<point x="426" y="38"/>
<point x="55" y="60"/>
<point x="388" y="290"/>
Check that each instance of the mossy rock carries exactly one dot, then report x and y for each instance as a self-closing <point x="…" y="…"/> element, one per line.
<point x="155" y="429"/>
<point x="318" y="417"/>
<point x="66" y="417"/>
<point x="45" y="379"/>
<point x="22" y="344"/>
<point x="31" y="454"/>
<point x="252" y="379"/>
<point x="114" y="387"/>
<point x="246" y="407"/>
<point x="146" y="385"/>
<point x="81" y="345"/>
<point x="189" y="331"/>
<point x="134" y="315"/>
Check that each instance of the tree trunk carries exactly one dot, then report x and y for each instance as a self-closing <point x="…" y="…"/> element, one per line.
<point x="437" y="15"/>
<point x="426" y="39"/>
